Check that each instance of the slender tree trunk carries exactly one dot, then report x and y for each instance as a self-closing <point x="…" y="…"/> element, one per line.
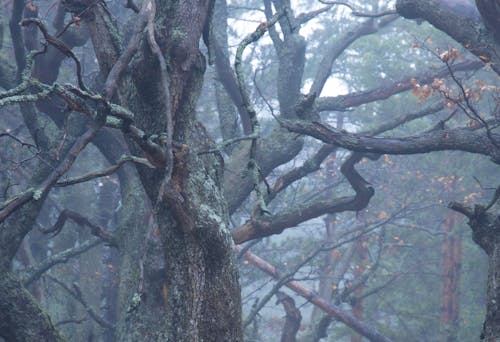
<point x="110" y="257"/>
<point x="362" y="261"/>
<point x="451" y="256"/>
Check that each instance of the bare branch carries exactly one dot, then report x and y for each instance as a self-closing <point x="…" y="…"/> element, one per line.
<point x="252" y="163"/>
<point x="362" y="328"/>
<point x="58" y="44"/>
<point x="314" y="162"/>
<point x="11" y="205"/>
<point x="169" y="155"/>
<point x="16" y="139"/>
<point x="105" y="172"/>
<point x="388" y="89"/>
<point x="111" y="84"/>
<point x="305" y="17"/>
<point x="358" y="13"/>
<point x="81" y="220"/>
<point x="76" y="293"/>
<point x="462" y="23"/>
<point x="338" y="46"/>
<point x="462" y="139"/>
<point x="33" y="273"/>
<point x="275" y="224"/>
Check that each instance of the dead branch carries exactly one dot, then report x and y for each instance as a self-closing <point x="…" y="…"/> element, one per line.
<point x="463" y="139"/>
<point x="389" y="88"/>
<point x="13" y="204"/>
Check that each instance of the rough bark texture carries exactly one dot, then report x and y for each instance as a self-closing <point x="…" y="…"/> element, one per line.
<point x="178" y="275"/>
<point x="461" y="139"/>
<point x="486" y="233"/>
<point x="21" y="319"/>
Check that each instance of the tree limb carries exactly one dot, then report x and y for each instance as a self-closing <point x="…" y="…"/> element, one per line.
<point x="33" y="273"/>
<point x="461" y="139"/>
<point x="352" y="322"/>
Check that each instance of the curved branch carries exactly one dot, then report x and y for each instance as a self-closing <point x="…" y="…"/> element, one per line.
<point x="33" y="273"/>
<point x="461" y="139"/>
<point x="340" y="45"/>
<point x="356" y="12"/>
<point x="344" y="102"/>
<point x="104" y="172"/>
<point x="255" y="127"/>
<point x="81" y="220"/>
<point x="275" y="224"/>
<point x="461" y="21"/>
<point x="58" y="44"/>
<point x="314" y="162"/>
<point x="111" y="84"/>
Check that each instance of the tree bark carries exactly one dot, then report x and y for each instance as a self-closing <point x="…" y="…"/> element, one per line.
<point x="21" y="318"/>
<point x="451" y="254"/>
<point x="485" y="232"/>
<point x="179" y="279"/>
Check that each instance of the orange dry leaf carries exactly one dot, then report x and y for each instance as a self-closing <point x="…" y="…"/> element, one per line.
<point x="382" y="215"/>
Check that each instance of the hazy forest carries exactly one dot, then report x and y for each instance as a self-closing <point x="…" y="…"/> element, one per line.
<point x="250" y="170"/>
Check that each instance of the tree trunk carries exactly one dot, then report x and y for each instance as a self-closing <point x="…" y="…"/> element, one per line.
<point x="21" y="318"/>
<point x="179" y="279"/>
<point x="451" y="256"/>
<point x="362" y="261"/>
<point x="485" y="232"/>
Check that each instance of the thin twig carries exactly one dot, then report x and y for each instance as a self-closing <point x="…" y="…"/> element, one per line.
<point x="76" y="293"/>
<point x="359" y="13"/>
<point x="104" y="172"/>
<point x="58" y="44"/>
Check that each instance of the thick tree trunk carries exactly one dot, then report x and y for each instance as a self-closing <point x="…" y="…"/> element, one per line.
<point x="21" y="318"/>
<point x="188" y="289"/>
<point x="179" y="279"/>
<point x="486" y="233"/>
